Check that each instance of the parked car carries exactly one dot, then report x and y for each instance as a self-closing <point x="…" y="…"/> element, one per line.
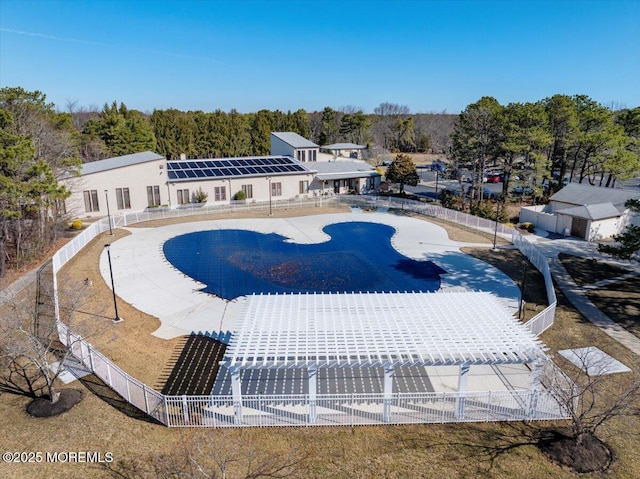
<point x="522" y="190"/>
<point x="493" y="179"/>
<point x="387" y="162"/>
<point x="437" y="166"/>
<point x="487" y="193"/>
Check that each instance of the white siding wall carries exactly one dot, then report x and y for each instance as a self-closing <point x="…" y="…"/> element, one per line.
<point x="604" y="228"/>
<point x="279" y="147"/>
<point x="290" y="186"/>
<point x="135" y="177"/>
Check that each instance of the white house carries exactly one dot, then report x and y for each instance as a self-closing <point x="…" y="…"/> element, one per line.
<point x="293" y="145"/>
<point x="341" y="177"/>
<point x="147" y="180"/>
<point x="584" y="211"/>
<point x="346" y="150"/>
<point x="129" y="182"/>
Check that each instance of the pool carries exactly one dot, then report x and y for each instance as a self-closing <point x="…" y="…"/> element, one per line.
<point x="359" y="257"/>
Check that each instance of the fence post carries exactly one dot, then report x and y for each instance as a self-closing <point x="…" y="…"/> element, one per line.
<point x="90" y="358"/>
<point x="146" y="399"/>
<point x="109" y="374"/>
<point x="185" y="409"/>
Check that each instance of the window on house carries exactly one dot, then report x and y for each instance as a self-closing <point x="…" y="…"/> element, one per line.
<point x="248" y="191"/>
<point x="276" y="189"/>
<point x="153" y="195"/>
<point x="123" y="199"/>
<point x="304" y="156"/>
<point x="91" y="201"/>
<point x="304" y="187"/>
<point x="220" y="193"/>
<point x="183" y="197"/>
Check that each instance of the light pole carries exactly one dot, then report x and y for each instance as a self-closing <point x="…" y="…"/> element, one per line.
<point x="523" y="284"/>
<point x="436" y="185"/>
<point x="495" y="233"/>
<point x="117" y="319"/>
<point x="270" y="210"/>
<point x="108" y="212"/>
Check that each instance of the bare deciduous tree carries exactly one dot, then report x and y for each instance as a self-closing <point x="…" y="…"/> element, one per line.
<point x="593" y="398"/>
<point x="32" y="357"/>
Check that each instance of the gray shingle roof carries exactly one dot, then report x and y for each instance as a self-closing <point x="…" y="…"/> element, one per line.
<point x="119" y="162"/>
<point x="591" y="212"/>
<point x="294" y="139"/>
<point x="582" y="195"/>
<point x="343" y="146"/>
<point x="334" y="170"/>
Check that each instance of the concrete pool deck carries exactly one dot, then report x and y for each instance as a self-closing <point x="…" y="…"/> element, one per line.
<point x="145" y="279"/>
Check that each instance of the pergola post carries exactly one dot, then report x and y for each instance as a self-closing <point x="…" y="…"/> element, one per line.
<point x="534" y="390"/>
<point x="236" y="391"/>
<point x="388" y="393"/>
<point x="463" y="379"/>
<point x="312" y="373"/>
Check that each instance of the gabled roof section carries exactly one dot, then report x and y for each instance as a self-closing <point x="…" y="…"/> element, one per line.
<point x="343" y="146"/>
<point x="583" y="195"/>
<point x="335" y="170"/>
<point x="373" y="329"/>
<point x="119" y="162"/>
<point x="294" y="139"/>
<point x="591" y="212"/>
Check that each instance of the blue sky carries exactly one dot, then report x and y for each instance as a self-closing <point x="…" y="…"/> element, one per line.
<point x="250" y="55"/>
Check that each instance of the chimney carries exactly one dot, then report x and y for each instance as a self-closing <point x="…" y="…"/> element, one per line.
<point x="183" y="156"/>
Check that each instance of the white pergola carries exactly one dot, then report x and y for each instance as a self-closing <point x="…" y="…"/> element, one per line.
<point x="388" y="330"/>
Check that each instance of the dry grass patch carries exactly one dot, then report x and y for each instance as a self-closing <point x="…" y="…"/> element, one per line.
<point x="103" y="422"/>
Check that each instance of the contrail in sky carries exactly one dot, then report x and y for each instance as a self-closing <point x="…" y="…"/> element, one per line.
<point x="88" y="42"/>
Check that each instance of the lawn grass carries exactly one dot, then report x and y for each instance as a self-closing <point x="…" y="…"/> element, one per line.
<point x="104" y="422"/>
<point x="586" y="271"/>
<point x="620" y="300"/>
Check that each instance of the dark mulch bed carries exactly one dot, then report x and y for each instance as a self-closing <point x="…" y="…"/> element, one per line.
<point x="559" y="446"/>
<point x="41" y="407"/>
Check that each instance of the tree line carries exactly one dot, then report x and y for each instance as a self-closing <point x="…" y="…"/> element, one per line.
<point x="562" y="136"/>
<point x="117" y="130"/>
<point x="39" y="144"/>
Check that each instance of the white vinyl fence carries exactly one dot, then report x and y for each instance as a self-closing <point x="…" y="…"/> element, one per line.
<point x="297" y="410"/>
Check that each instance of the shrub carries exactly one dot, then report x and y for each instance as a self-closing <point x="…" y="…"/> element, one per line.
<point x="200" y="196"/>
<point x="530" y="227"/>
<point x="239" y="196"/>
<point x="76" y="225"/>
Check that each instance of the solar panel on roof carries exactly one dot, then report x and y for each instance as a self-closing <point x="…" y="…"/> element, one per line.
<point x="231" y="167"/>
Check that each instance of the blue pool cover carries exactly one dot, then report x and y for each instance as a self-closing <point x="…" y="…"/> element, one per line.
<point x="358" y="258"/>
